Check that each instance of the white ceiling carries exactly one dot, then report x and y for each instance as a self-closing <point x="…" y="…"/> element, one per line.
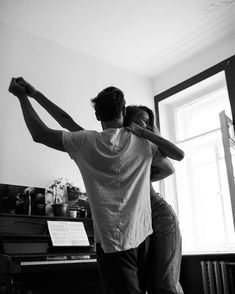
<point x="142" y="36"/>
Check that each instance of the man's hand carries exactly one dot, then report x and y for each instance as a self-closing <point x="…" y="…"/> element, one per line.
<point x="135" y="129"/>
<point x="16" y="89"/>
<point x="30" y="90"/>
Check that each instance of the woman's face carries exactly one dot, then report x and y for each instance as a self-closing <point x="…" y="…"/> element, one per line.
<point x="141" y="118"/>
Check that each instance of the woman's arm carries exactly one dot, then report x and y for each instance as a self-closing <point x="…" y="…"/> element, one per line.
<point x="167" y="148"/>
<point x="62" y="117"/>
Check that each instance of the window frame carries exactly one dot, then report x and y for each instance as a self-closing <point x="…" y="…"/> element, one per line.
<point x="228" y="66"/>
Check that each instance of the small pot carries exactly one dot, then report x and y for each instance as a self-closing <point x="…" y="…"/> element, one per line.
<point x="60" y="209"/>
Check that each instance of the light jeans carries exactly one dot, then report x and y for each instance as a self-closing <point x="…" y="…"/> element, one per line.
<point x="165" y="249"/>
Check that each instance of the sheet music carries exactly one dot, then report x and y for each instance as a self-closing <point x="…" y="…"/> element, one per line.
<point x="65" y="233"/>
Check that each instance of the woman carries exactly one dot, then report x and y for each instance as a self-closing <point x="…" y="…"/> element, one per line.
<point x="164" y="273"/>
<point x="165" y="255"/>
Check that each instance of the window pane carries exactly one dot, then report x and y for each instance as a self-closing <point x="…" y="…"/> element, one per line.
<point x="202" y="178"/>
<point x="202" y="116"/>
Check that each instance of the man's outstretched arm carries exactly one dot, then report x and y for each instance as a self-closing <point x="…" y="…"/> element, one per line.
<point x="62" y="117"/>
<point x="38" y="130"/>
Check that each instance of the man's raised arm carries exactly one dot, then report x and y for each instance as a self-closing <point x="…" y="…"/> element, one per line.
<point x="38" y="130"/>
<point x="62" y="117"/>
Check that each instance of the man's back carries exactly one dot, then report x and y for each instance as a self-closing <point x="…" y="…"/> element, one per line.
<point x="115" y="166"/>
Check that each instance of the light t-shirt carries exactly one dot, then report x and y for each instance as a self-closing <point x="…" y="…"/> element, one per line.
<point x="115" y="166"/>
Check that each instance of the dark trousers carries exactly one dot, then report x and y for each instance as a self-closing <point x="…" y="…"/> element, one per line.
<point x="124" y="272"/>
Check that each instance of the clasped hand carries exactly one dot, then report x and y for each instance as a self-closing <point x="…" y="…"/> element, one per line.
<point x="19" y="87"/>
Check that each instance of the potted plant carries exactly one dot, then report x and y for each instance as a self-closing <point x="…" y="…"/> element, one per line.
<point x="65" y="197"/>
<point x="73" y="194"/>
<point x="58" y="191"/>
<point x="77" y="200"/>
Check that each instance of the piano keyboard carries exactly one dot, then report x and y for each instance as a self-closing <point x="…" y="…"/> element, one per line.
<point x="42" y="262"/>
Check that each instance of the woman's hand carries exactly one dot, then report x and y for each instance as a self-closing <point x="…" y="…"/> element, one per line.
<point x="135" y="129"/>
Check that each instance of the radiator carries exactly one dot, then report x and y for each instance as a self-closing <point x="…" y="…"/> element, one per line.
<point x="217" y="277"/>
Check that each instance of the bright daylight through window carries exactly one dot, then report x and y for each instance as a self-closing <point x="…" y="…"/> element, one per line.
<point x="199" y="189"/>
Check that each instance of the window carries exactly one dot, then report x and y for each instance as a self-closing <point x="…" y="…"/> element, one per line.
<point x="199" y="190"/>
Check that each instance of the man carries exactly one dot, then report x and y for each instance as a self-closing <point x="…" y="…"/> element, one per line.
<point x="115" y="166"/>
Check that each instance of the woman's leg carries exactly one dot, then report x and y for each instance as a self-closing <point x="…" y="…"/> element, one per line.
<point x="166" y="244"/>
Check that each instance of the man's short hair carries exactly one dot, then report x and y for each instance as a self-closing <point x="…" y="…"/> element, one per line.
<point x="109" y="104"/>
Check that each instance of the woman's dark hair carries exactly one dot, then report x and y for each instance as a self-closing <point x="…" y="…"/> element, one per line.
<point x="109" y="104"/>
<point x="131" y="111"/>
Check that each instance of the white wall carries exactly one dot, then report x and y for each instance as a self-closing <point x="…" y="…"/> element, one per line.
<point x="67" y="77"/>
<point x="208" y="57"/>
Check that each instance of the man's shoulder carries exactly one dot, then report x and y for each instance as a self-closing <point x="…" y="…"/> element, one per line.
<point x="81" y="133"/>
<point x="75" y="136"/>
<point x="88" y="132"/>
<point x="76" y="141"/>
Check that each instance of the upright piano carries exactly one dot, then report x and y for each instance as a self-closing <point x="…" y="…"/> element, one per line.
<point x="29" y="263"/>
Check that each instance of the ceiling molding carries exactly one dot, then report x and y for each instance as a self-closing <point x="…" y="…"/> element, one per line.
<point x="213" y="30"/>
